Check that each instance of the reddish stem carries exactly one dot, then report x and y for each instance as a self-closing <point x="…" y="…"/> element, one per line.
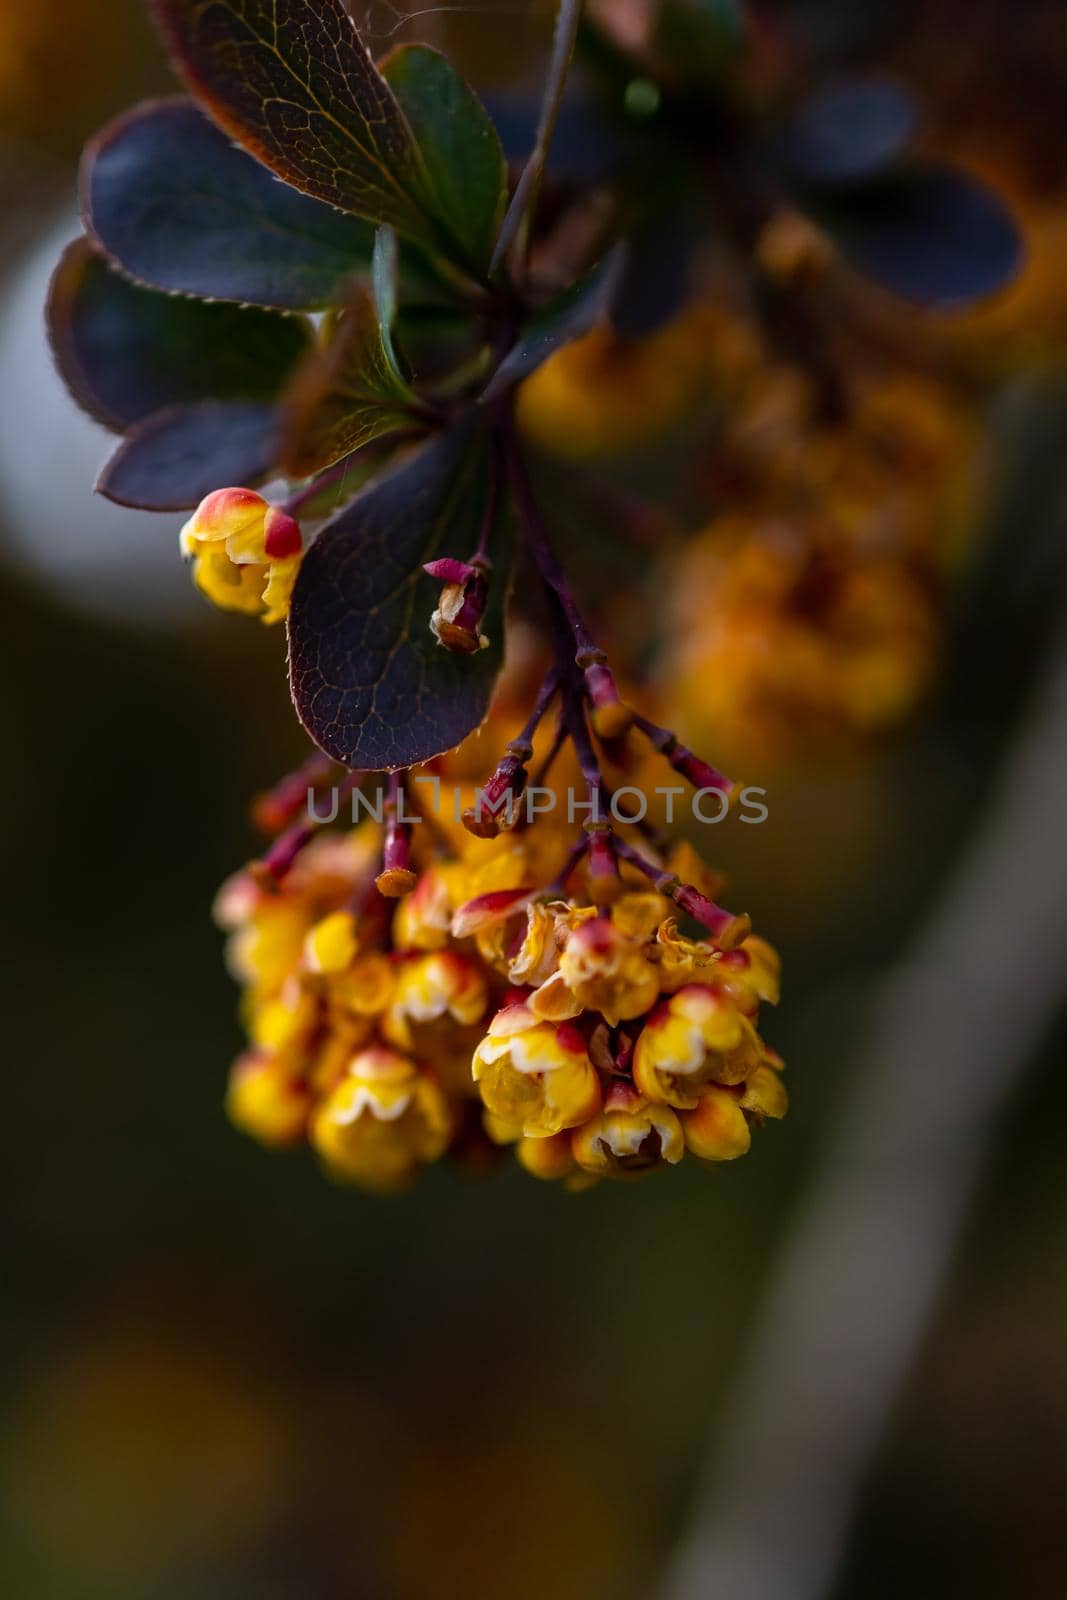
<point x="274" y="810"/>
<point x="281" y="857"/>
<point x="397" y="877"/>
<point x="698" y="771"/>
<point x="726" y="928"/>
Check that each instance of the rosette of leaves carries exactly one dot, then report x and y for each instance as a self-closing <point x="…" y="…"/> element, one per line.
<point x="288" y="276"/>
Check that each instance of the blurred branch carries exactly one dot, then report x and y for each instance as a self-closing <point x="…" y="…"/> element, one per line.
<point x="524" y="201"/>
<point x="853" y="1292"/>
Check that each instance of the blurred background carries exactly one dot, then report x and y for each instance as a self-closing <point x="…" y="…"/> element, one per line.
<point x="226" y="1377"/>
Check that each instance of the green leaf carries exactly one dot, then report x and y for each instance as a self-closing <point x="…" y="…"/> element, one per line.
<point x="292" y="81"/>
<point x="459" y="145"/>
<point x="345" y="395"/>
<point x="172" y="459"/>
<point x="125" y="351"/>
<point x="569" y="316"/>
<point x="176" y="205"/>
<point x="369" y="681"/>
<point x="385" y="275"/>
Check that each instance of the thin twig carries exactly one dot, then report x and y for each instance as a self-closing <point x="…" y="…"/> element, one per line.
<point x="524" y="200"/>
<point x="541" y="546"/>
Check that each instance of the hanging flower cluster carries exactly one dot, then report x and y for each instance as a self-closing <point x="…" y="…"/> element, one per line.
<point x="321" y="277"/>
<point x="412" y="992"/>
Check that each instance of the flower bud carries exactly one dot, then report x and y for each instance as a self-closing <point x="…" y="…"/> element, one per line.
<point x="397" y="877"/>
<point x="395" y="882"/>
<point x="609" y="715"/>
<point x="246" y="553"/>
<point x="267" y="1099"/>
<point x="765" y="1094"/>
<point x="550" y="1159"/>
<point x="332" y="944"/>
<point x="716" y="1129"/>
<point x="456" y="624"/>
<point x="496" y="807"/>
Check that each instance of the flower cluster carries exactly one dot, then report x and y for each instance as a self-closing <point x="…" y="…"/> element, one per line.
<point x="623" y="1044"/>
<point x="810" y="612"/>
<point x="505" y="999"/>
<point x="486" y="976"/>
<point x="807" y="609"/>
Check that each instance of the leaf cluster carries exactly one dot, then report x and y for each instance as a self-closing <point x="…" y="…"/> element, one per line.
<point x="291" y="273"/>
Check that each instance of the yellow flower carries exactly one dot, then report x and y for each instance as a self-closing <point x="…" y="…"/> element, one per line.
<point x="599" y="970"/>
<point x="525" y="948"/>
<point x="749" y="974"/>
<point x="435" y="987"/>
<point x="331" y="945"/>
<point x="681" y="961"/>
<point x="785" y="634"/>
<point x="365" y="989"/>
<point x="638" y="915"/>
<point x="696" y="1035"/>
<point x="246" y="553"/>
<point x="716" y="1129"/>
<point x="287" y="1022"/>
<point x="538" y="953"/>
<point x="550" y="1159"/>
<point x="341" y="1042"/>
<point x="267" y="1099"/>
<point x="265" y="948"/>
<point x="437" y="1015"/>
<point x="765" y="1094"/>
<point x="490" y="913"/>
<point x="423" y="919"/>
<point x="382" y="1123"/>
<point x="631" y="1136"/>
<point x="500" y="1130"/>
<point x="535" y="1075"/>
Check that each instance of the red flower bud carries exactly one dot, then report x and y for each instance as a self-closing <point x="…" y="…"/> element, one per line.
<point x="456" y="624"/>
<point x="397" y="877"/>
<point x="449" y="570"/>
<point x="609" y="715"/>
<point x="604" y="881"/>
<point x="496" y="808"/>
<point x="281" y="534"/>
